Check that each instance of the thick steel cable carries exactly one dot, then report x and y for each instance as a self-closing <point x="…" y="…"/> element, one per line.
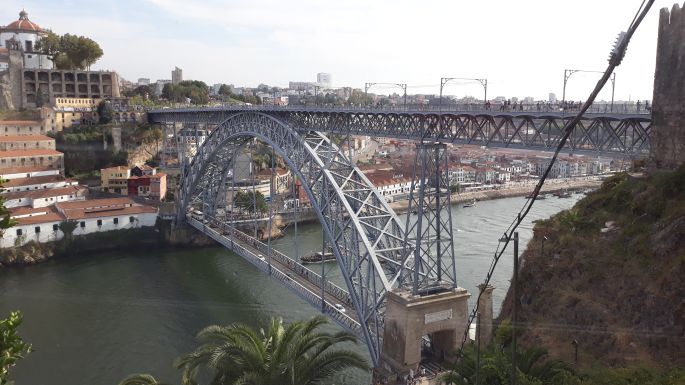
<point x="615" y="60"/>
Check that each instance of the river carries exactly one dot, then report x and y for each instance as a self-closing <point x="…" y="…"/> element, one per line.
<point x="95" y="319"/>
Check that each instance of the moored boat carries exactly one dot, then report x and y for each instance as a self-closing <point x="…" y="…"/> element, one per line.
<point x="317" y="257"/>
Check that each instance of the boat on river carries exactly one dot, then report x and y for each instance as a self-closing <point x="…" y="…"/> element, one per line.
<point x="563" y="194"/>
<point x="470" y="204"/>
<point x="317" y="257"/>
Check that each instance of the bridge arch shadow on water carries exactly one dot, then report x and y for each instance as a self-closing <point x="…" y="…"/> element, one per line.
<point x="363" y="232"/>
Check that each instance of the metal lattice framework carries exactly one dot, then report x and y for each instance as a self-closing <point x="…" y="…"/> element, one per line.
<point x="430" y="233"/>
<point x="596" y="132"/>
<point x="365" y="235"/>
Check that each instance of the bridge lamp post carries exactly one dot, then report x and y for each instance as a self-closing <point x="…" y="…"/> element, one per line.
<point x="483" y="82"/>
<point x="568" y="73"/>
<point x="403" y="86"/>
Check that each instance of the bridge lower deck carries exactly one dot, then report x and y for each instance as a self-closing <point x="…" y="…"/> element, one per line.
<point x="304" y="282"/>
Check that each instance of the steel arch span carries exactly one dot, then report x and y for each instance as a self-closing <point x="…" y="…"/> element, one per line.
<point x="365" y="234"/>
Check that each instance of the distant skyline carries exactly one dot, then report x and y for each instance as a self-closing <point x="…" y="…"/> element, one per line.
<point x="522" y="48"/>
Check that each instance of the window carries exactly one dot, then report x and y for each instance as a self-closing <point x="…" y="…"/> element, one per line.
<point x="116" y="221"/>
<point x="99" y="222"/>
<point x="131" y="219"/>
<point x="83" y="225"/>
<point x="19" y="232"/>
<point x="37" y="228"/>
<point x="55" y="227"/>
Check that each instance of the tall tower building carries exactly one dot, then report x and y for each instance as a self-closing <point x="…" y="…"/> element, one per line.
<point x="176" y="75"/>
<point x="324" y="79"/>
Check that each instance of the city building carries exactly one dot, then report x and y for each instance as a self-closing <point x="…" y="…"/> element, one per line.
<point x="189" y="140"/>
<point x="36" y="183"/>
<point x="552" y="97"/>
<point x="151" y="186"/>
<point x="22" y="35"/>
<point x="45" y="224"/>
<point x="143" y="181"/>
<point x="26" y="142"/>
<point x="282" y="179"/>
<point x="44" y="197"/>
<point x="11" y="173"/>
<point x="159" y="86"/>
<point x="32" y="158"/>
<point x="176" y="75"/>
<point x="21" y="127"/>
<point x="324" y="80"/>
<point x="143" y="81"/>
<point x="44" y="86"/>
<point x="115" y="179"/>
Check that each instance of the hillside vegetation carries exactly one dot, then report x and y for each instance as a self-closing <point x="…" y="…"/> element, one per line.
<point x="611" y="277"/>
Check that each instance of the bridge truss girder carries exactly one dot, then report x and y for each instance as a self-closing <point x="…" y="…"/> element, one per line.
<point x="598" y="133"/>
<point x="366" y="236"/>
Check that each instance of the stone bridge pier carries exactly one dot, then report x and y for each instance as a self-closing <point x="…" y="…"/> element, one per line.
<point x="442" y="316"/>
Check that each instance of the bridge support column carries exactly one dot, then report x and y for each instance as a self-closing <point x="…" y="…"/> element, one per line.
<point x="485" y="310"/>
<point x="408" y="318"/>
<point x="431" y="233"/>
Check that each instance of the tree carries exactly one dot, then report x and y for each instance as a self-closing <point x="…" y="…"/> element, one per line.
<point x="225" y="90"/>
<point x="12" y="347"/>
<point x="245" y="200"/>
<point x="105" y="112"/>
<point x="532" y="364"/>
<point x="297" y="354"/>
<point x="67" y="228"/>
<point x="49" y="45"/>
<point x="141" y="379"/>
<point x="195" y="90"/>
<point x="70" y="52"/>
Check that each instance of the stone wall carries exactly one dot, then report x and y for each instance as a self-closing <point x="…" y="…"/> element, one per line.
<point x="668" y="108"/>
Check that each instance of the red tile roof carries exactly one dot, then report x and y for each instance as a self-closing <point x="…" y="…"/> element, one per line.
<point x="28" y="169"/>
<point x="96" y="208"/>
<point x="36" y="180"/>
<point x="31" y="152"/>
<point x="40" y="215"/>
<point x="19" y="123"/>
<point x="24" y="24"/>
<point x="44" y="193"/>
<point x="25" y="138"/>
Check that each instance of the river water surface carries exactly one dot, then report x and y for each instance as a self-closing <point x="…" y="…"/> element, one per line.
<point x="95" y="319"/>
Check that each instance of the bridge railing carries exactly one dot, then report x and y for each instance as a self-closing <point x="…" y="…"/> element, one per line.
<point x="306" y="294"/>
<point x="569" y="108"/>
<point x="311" y="276"/>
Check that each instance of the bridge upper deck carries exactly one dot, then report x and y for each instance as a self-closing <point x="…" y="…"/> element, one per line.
<point x="214" y="113"/>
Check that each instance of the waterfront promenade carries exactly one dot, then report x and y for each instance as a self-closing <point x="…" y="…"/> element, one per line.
<point x="519" y="189"/>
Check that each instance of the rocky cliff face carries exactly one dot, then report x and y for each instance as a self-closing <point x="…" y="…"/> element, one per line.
<point x="611" y="276"/>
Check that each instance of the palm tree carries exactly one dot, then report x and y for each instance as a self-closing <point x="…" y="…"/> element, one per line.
<point x="140" y="379"/>
<point x="298" y="354"/>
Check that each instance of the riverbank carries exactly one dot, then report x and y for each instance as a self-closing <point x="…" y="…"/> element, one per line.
<point x="161" y="236"/>
<point x="550" y="186"/>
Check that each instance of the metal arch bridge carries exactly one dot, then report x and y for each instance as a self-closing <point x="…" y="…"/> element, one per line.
<point x="376" y="252"/>
<point x="365" y="235"/>
<point x="626" y="131"/>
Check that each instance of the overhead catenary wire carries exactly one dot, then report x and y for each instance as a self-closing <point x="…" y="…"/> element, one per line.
<point x="614" y="60"/>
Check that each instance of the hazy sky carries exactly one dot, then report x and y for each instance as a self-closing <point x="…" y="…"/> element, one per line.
<point x="521" y="47"/>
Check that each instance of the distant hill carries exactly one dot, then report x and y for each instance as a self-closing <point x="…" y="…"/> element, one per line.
<point x="612" y="276"/>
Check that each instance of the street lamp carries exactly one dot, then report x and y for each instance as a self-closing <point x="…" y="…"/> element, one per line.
<point x="403" y="86"/>
<point x="568" y="73"/>
<point x="483" y="82"/>
<point x="542" y="247"/>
